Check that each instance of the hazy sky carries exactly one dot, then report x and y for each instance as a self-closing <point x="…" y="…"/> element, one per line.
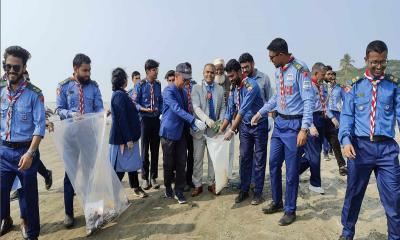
<point x="122" y="33"/>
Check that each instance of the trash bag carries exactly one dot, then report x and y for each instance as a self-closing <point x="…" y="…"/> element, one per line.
<point x="219" y="153"/>
<point x="83" y="145"/>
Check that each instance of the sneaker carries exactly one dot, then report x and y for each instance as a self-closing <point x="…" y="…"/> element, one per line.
<point x="14" y="195"/>
<point x="326" y="157"/>
<point x="180" y="197"/>
<point x="49" y="180"/>
<point x="6" y="225"/>
<point x="241" y="197"/>
<point x="140" y="192"/>
<point x="343" y="171"/>
<point x="287" y="219"/>
<point x="169" y="193"/>
<point x="68" y="221"/>
<point x="257" y="199"/>
<point x="319" y="190"/>
<point x="146" y="185"/>
<point x="272" y="207"/>
<point x="155" y="184"/>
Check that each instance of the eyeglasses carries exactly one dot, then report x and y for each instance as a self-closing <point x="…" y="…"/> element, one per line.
<point x="383" y="63"/>
<point x="8" y="67"/>
<point x="272" y="57"/>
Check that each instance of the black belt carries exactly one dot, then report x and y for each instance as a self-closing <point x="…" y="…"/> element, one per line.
<point x="376" y="138"/>
<point x="16" y="144"/>
<point x="319" y="113"/>
<point x="289" y="117"/>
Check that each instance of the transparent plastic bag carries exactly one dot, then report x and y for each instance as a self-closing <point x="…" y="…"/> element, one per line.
<point x="219" y="153"/>
<point x="82" y="144"/>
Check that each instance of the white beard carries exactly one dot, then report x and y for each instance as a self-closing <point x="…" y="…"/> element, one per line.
<point x="220" y="79"/>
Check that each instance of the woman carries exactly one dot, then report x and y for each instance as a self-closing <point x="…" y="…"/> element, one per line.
<point x="125" y="133"/>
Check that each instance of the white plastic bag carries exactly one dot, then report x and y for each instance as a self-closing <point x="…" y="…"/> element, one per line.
<point x="219" y="153"/>
<point x="83" y="145"/>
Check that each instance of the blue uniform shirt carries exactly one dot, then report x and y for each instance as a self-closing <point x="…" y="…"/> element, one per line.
<point x="355" y="116"/>
<point x="299" y="94"/>
<point x="264" y="83"/>
<point x="249" y="98"/>
<point x="28" y="118"/>
<point x="143" y="98"/>
<point x="68" y="98"/>
<point x="317" y="99"/>
<point x="335" y="98"/>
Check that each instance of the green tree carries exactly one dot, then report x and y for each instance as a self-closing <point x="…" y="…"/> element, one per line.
<point x="346" y="63"/>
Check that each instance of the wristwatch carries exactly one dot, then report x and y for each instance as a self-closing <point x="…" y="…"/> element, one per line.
<point x="32" y="153"/>
<point x="306" y="130"/>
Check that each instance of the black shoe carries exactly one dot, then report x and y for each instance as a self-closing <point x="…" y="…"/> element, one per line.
<point x="169" y="193"/>
<point x="49" y="180"/>
<point x="345" y="238"/>
<point x="287" y="219"/>
<point x="6" y="226"/>
<point x="68" y="221"/>
<point x="257" y="199"/>
<point x="140" y="192"/>
<point x="180" y="197"/>
<point x="154" y="184"/>
<point x="14" y="195"/>
<point x="146" y="185"/>
<point x="272" y="208"/>
<point x="23" y="231"/>
<point x="241" y="197"/>
<point x="343" y="171"/>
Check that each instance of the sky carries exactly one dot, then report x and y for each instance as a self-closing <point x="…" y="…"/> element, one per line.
<point x="122" y="33"/>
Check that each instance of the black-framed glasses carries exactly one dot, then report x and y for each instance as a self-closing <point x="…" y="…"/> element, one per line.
<point x="383" y="63"/>
<point x="8" y="67"/>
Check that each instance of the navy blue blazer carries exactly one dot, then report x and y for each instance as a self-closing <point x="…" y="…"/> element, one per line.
<point x="125" y="119"/>
<point x="174" y="114"/>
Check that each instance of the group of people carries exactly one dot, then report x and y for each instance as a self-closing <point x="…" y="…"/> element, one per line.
<point x="232" y="98"/>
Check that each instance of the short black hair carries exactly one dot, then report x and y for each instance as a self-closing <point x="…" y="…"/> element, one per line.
<point x="328" y="68"/>
<point x="376" y="46"/>
<point x="232" y="65"/>
<point x="118" y="78"/>
<point x="189" y="65"/>
<point x="246" y="57"/>
<point x="18" y="52"/>
<point x="170" y="73"/>
<point x="278" y="45"/>
<point x="150" y="64"/>
<point x="135" y="73"/>
<point x="80" y="59"/>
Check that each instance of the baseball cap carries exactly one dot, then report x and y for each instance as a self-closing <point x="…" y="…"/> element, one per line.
<point x="185" y="70"/>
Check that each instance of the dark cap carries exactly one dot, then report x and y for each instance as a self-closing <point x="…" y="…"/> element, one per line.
<point x="184" y="69"/>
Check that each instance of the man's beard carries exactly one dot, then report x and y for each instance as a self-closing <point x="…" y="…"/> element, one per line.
<point x="16" y="81"/>
<point x="220" y="79"/>
<point x="83" y="81"/>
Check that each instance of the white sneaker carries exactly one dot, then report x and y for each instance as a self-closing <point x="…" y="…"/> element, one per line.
<point x="319" y="190"/>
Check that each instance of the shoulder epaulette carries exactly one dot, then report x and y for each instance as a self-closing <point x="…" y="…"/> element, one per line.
<point x="95" y="83"/>
<point x="299" y="66"/>
<point x="64" y="82"/>
<point x="354" y="80"/>
<point x="392" y="78"/>
<point x="3" y="82"/>
<point x="34" y="88"/>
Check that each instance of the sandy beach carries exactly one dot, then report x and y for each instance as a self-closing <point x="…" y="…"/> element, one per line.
<point x="208" y="216"/>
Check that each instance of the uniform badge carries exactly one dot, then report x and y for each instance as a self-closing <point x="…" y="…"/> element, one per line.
<point x="23" y="117"/>
<point x="41" y="98"/>
<point x="290" y="77"/>
<point x="360" y="107"/>
<point x="306" y="84"/>
<point x="360" y="95"/>
<point x="387" y="107"/>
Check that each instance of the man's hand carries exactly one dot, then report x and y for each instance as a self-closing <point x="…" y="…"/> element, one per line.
<point x="130" y="144"/>
<point x="335" y="122"/>
<point x="210" y="123"/>
<point x="349" y="151"/>
<point x="255" y="119"/>
<point x="314" y="132"/>
<point x="301" y="138"/>
<point x="200" y="125"/>
<point x="25" y="162"/>
<point x="229" y="134"/>
<point x="49" y="125"/>
<point x="48" y="112"/>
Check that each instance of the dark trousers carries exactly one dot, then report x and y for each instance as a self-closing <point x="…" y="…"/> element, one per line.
<point x="150" y="139"/>
<point x="29" y="200"/>
<point x="41" y="168"/>
<point x="382" y="159"/>
<point x="331" y="134"/>
<point x="133" y="178"/>
<point x="190" y="158"/>
<point x="68" y="196"/>
<point x="174" y="158"/>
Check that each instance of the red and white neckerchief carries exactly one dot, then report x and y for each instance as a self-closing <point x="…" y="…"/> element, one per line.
<point x="151" y="96"/>
<point x="282" y="83"/>
<point x="374" y="81"/>
<point x="238" y="88"/>
<point x="12" y="100"/>
<point x="330" y="90"/>
<point x="189" y="97"/>
<point x="81" y="98"/>
<point x="321" y="94"/>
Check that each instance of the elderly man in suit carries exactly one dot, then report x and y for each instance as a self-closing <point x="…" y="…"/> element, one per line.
<point x="209" y="107"/>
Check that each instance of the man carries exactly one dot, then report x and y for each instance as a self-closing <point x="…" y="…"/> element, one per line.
<point x="293" y="102"/>
<point x="312" y="150"/>
<point x="208" y="106"/>
<point x="244" y="102"/>
<point x="170" y="77"/>
<point x="367" y="130"/>
<point x="22" y="128"/>
<point x="76" y="95"/>
<point x="189" y="84"/>
<point x="173" y="140"/>
<point x="335" y="95"/>
<point x="149" y="103"/>
<point x="135" y="77"/>
<point x="247" y="65"/>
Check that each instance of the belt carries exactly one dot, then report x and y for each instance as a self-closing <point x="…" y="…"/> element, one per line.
<point x="16" y="144"/>
<point x="319" y="113"/>
<point x="378" y="138"/>
<point x="289" y="117"/>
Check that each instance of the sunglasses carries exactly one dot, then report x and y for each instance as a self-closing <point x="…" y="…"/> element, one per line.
<point x="8" y="67"/>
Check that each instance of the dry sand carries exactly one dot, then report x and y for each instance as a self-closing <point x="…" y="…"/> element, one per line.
<point x="208" y="216"/>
